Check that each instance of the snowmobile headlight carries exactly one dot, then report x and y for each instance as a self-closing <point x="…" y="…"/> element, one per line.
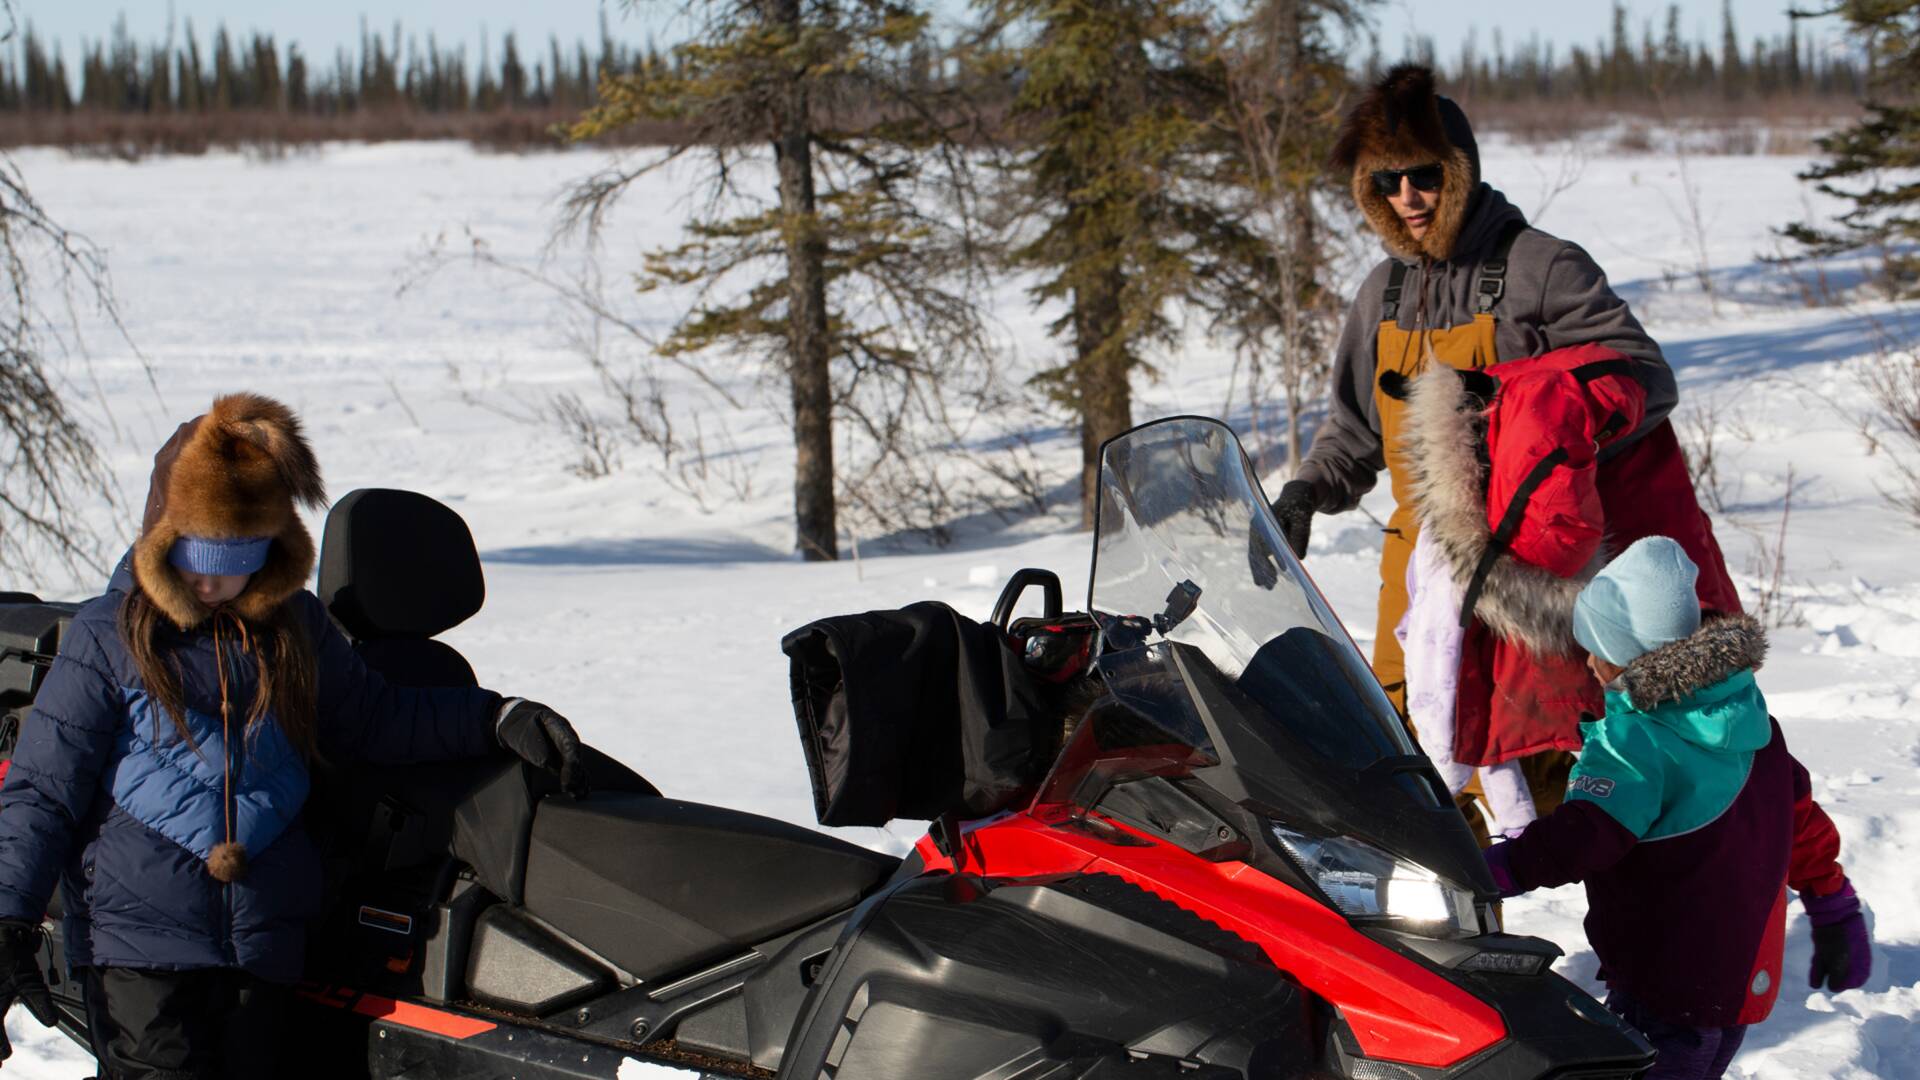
<point x="1367" y="884"/>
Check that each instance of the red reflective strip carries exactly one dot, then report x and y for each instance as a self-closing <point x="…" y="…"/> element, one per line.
<point x="422" y="1018"/>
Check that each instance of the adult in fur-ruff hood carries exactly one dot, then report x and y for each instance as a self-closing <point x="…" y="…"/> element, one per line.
<point x="1404" y="123"/>
<point x="1466" y="283"/>
<point x="230" y="477"/>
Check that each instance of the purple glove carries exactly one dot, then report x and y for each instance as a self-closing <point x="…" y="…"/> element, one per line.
<point x="1497" y="865"/>
<point x="1842" y="952"/>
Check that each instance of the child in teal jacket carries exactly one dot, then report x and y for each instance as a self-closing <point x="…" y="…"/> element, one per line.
<point x="1688" y="820"/>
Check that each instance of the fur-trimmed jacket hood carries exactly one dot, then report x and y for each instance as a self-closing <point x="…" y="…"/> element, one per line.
<point x="1404" y="122"/>
<point x="234" y="473"/>
<point x="1505" y="464"/>
<point x="1722" y="648"/>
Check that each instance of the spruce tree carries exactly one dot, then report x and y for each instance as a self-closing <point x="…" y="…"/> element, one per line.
<point x="837" y="278"/>
<point x="1869" y="163"/>
<point x="1124" y="147"/>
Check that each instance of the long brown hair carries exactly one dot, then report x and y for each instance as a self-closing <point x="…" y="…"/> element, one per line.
<point x="288" y="680"/>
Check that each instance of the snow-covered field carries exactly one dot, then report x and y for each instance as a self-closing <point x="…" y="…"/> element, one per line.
<point x="654" y="623"/>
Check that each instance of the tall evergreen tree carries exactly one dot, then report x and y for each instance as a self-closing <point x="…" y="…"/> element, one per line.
<point x="1732" y="69"/>
<point x="839" y="279"/>
<point x="1869" y="162"/>
<point x="513" y="75"/>
<point x="1124" y="147"/>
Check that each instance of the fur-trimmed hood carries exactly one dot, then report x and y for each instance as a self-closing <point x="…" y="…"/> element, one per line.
<point x="1721" y="648"/>
<point x="234" y="473"/>
<point x="1445" y="431"/>
<point x="1403" y="122"/>
<point x="1516" y="448"/>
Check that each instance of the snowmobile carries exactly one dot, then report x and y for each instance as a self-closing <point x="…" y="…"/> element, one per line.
<point x="1227" y="859"/>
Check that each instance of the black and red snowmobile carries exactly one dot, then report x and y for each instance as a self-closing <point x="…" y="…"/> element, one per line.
<point x="1181" y="835"/>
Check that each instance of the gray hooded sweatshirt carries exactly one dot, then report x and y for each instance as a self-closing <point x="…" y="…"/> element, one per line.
<point x="1556" y="296"/>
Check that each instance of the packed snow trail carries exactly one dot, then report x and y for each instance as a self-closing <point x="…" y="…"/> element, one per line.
<point x="654" y="624"/>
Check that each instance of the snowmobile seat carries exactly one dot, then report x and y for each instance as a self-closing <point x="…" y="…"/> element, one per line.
<point x="396" y="569"/>
<point x="657" y="886"/>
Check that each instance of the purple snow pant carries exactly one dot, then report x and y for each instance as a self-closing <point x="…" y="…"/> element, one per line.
<point x="1686" y="1053"/>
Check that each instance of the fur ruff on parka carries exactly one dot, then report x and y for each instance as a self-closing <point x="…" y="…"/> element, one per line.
<point x="234" y="473"/>
<point x="1679" y="669"/>
<point x="1401" y="124"/>
<point x="1519" y="602"/>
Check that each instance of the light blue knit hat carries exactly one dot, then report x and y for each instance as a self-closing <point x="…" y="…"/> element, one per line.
<point x="203" y="555"/>
<point x="1642" y="600"/>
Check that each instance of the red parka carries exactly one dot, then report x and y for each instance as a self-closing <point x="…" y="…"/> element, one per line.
<point x="1518" y="479"/>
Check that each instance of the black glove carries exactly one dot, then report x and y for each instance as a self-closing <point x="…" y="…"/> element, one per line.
<point x="20" y="978"/>
<point x="545" y="740"/>
<point x="1294" y="511"/>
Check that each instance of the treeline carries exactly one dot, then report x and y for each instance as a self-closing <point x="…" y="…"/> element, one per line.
<point x="184" y="93"/>
<point x="1649" y="63"/>
<point x="387" y="71"/>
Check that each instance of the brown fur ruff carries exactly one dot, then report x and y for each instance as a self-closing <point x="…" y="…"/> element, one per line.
<point x="1397" y="126"/>
<point x="236" y="474"/>
<point x="1442" y="434"/>
<point x="1680" y="669"/>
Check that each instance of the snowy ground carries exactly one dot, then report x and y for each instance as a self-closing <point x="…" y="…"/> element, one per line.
<point x="654" y="623"/>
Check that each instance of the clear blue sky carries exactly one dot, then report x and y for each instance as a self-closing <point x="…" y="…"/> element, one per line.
<point x="320" y="26"/>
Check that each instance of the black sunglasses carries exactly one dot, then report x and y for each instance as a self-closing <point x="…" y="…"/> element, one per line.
<point x="1423" y="177"/>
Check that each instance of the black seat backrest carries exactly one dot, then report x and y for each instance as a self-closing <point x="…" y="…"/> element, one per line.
<point x="397" y="569"/>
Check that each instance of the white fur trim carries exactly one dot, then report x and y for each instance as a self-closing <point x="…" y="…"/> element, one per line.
<point x="1442" y="435"/>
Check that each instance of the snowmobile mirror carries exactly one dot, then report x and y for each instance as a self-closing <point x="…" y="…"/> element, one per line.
<point x="1050" y="595"/>
<point x="1182" y="600"/>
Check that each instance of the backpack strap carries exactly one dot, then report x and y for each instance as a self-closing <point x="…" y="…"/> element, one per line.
<point x="1493" y="272"/>
<point x="1586" y="373"/>
<point x="1390" y="302"/>
<point x="1509" y="525"/>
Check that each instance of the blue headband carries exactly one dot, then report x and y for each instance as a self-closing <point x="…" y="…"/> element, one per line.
<point x="199" y="555"/>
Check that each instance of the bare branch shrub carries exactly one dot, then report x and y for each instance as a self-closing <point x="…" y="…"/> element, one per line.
<point x="1285" y="91"/>
<point x="1568" y="168"/>
<point x="596" y="444"/>
<point x="1773" y="605"/>
<point x="1699" y="429"/>
<point x="49" y="463"/>
<point x="1892" y="382"/>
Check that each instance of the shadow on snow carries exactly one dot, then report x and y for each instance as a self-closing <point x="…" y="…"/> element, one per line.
<point x="642" y="551"/>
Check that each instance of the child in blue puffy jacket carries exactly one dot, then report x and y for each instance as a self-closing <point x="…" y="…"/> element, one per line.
<point x="161" y="775"/>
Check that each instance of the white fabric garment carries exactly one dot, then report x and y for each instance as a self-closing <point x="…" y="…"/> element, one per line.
<point x="1431" y="637"/>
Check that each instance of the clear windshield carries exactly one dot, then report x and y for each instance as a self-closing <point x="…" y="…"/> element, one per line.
<point x="1186" y="552"/>
<point x="1224" y="666"/>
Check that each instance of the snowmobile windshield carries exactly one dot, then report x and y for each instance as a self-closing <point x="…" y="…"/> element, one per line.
<point x="1224" y="665"/>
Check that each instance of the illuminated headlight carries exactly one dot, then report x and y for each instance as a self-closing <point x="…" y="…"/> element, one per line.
<point x="1367" y="884"/>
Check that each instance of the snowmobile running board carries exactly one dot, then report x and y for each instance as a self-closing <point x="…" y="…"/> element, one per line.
<point x="409" y="1041"/>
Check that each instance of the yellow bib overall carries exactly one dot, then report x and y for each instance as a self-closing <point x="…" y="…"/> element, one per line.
<point x="1470" y="346"/>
